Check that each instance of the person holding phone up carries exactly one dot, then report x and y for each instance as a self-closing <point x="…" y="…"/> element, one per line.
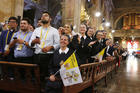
<point x="45" y="40"/>
<point x="22" y="52"/>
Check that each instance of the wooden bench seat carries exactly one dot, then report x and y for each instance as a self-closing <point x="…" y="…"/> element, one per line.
<point x="19" y="77"/>
<point x="92" y="73"/>
<point x="25" y="78"/>
<point x="87" y="75"/>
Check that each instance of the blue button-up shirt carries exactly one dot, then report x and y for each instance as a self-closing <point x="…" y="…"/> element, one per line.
<point x="3" y="39"/>
<point x="25" y="51"/>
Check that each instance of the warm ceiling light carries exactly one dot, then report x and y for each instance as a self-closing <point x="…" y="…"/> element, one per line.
<point x="113" y="31"/>
<point x="97" y="14"/>
<point x="107" y="24"/>
<point x="88" y="0"/>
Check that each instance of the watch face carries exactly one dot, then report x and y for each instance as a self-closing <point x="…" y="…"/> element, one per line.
<point x="24" y="42"/>
<point x="19" y="47"/>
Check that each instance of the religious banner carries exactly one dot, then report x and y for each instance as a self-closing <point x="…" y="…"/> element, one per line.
<point x="99" y="56"/>
<point x="70" y="72"/>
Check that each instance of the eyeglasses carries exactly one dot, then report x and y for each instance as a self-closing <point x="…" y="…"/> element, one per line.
<point x="12" y="21"/>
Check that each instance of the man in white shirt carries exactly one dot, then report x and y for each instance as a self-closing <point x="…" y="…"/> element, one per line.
<point x="45" y="40"/>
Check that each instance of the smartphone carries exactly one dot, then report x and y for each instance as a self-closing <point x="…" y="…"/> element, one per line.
<point x="14" y="37"/>
<point x="37" y="37"/>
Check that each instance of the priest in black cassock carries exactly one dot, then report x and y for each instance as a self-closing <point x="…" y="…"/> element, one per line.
<point x="54" y="84"/>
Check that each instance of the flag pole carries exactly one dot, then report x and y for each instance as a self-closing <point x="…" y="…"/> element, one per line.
<point x="56" y="72"/>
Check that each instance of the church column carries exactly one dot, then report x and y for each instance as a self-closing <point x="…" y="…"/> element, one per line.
<point x="68" y="11"/>
<point x="18" y="8"/>
<point x="136" y="19"/>
<point x="11" y="8"/>
<point x="77" y="13"/>
<point x="71" y="12"/>
<point x="98" y="19"/>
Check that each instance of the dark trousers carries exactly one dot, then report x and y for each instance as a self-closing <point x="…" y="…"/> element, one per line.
<point x="24" y="60"/>
<point x="8" y="58"/>
<point x="91" y="60"/>
<point x="43" y="60"/>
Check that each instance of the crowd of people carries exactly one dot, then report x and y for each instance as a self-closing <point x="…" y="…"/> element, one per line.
<point x="48" y="47"/>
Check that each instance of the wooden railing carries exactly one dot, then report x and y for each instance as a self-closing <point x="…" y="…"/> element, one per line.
<point x="91" y="73"/>
<point x="19" y="77"/>
<point x="25" y="78"/>
<point x="87" y="76"/>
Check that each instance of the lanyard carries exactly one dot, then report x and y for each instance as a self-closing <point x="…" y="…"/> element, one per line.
<point x="24" y="36"/>
<point x="41" y="36"/>
<point x="7" y="37"/>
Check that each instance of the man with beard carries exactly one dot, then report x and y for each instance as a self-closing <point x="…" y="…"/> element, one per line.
<point x="22" y="51"/>
<point x="45" y="40"/>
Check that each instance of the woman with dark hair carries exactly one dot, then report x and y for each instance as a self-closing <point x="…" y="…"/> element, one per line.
<point x="61" y="31"/>
<point x="54" y="85"/>
<point x="97" y="46"/>
<point x="90" y="42"/>
<point x="90" y="35"/>
<point x="68" y="30"/>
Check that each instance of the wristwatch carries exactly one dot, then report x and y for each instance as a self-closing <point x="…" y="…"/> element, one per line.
<point x="24" y="42"/>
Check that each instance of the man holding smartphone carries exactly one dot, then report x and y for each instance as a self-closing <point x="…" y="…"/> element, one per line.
<point x="22" y="52"/>
<point x="45" y="40"/>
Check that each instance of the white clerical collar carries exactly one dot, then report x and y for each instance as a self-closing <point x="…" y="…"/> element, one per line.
<point x="65" y="51"/>
<point x="70" y="36"/>
<point x="82" y="36"/>
<point x="91" y="38"/>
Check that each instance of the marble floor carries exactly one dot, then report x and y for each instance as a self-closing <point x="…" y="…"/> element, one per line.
<point x="127" y="79"/>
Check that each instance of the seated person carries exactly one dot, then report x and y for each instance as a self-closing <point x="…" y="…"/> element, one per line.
<point x="54" y="85"/>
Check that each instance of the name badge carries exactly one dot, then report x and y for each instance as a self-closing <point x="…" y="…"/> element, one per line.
<point x="19" y="47"/>
<point x="6" y="47"/>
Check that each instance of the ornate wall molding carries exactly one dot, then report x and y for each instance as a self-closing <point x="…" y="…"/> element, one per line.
<point x="127" y="33"/>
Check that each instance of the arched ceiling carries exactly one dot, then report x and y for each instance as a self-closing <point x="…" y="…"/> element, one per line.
<point x="123" y="7"/>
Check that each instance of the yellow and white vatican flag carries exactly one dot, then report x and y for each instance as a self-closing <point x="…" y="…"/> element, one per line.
<point x="69" y="72"/>
<point x="100" y="55"/>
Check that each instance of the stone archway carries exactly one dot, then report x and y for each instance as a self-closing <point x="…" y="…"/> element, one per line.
<point x="119" y="13"/>
<point x="122" y="34"/>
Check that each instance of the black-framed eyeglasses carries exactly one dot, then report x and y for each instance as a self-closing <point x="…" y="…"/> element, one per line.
<point x="12" y="21"/>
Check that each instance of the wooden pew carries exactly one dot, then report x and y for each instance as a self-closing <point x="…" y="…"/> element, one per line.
<point x="102" y="69"/>
<point x="19" y="77"/>
<point x="30" y="83"/>
<point x="87" y="76"/>
<point x="91" y="74"/>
